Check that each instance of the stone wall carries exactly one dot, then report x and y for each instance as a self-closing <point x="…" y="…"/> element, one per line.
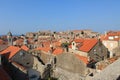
<point x="112" y="72"/>
<point x="110" y="44"/>
<point x="69" y="62"/>
<point x="23" y="58"/>
<point x="99" y="52"/>
<point x="78" y="52"/>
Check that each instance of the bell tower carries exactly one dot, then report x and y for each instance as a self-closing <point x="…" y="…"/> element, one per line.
<point x="9" y="38"/>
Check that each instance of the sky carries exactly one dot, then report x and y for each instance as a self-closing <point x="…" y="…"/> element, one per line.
<point x="21" y="16"/>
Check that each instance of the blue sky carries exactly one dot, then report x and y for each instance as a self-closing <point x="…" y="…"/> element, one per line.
<point x="21" y="16"/>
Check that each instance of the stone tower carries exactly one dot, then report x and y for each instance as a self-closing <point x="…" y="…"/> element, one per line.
<point x="9" y="38"/>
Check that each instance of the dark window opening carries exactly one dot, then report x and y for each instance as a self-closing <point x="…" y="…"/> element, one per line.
<point x="108" y="55"/>
<point x="114" y="54"/>
<point x="103" y="58"/>
<point x="27" y="63"/>
<point x="73" y="44"/>
<point x="91" y="74"/>
<point x="55" y="60"/>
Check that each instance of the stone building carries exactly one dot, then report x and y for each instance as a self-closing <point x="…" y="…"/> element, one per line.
<point x="111" y="40"/>
<point x="9" y="38"/>
<point x="18" y="55"/>
<point x="69" y="62"/>
<point x="91" y="48"/>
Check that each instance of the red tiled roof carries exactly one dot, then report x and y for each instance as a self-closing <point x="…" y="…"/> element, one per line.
<point x="107" y="38"/>
<point x="82" y="58"/>
<point x="18" y="65"/>
<point x="79" y="40"/>
<point x="30" y="41"/>
<point x="11" y="50"/>
<point x="58" y="51"/>
<point x="2" y="42"/>
<point x="19" y="41"/>
<point x="46" y="44"/>
<point x="58" y="44"/>
<point x="111" y="34"/>
<point x="88" y="44"/>
<point x="111" y="60"/>
<point x="24" y="48"/>
<point x="46" y="49"/>
<point x="70" y="46"/>
<point x="4" y="75"/>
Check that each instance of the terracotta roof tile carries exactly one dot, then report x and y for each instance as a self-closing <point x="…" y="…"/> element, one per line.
<point x="58" y="51"/>
<point x="24" y="48"/>
<point x="46" y="49"/>
<point x="11" y="50"/>
<point x="30" y="41"/>
<point x="111" y="60"/>
<point x="79" y="40"/>
<point x="82" y="58"/>
<point x="88" y="44"/>
<point x="2" y="42"/>
<point x="58" y="44"/>
<point x="19" y="41"/>
<point x="70" y="46"/>
<point x="46" y="44"/>
<point x="107" y="38"/>
<point x="111" y="34"/>
<point x="19" y="65"/>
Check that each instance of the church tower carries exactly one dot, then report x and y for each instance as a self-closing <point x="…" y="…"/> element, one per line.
<point x="9" y="38"/>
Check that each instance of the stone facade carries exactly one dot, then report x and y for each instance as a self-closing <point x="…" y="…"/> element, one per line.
<point x="111" y="45"/>
<point x="98" y="52"/>
<point x="71" y="63"/>
<point x="24" y="58"/>
<point x="85" y="54"/>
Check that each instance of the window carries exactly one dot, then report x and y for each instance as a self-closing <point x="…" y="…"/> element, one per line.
<point x="110" y="37"/>
<point x="73" y="44"/>
<point x="21" y="53"/>
<point x="27" y="63"/>
<point x="102" y="57"/>
<point x="116" y="36"/>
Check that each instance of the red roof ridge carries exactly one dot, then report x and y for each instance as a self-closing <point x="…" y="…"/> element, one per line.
<point x="24" y="47"/>
<point x="18" y="65"/>
<point x="57" y="51"/>
<point x="12" y="50"/>
<point x="46" y="49"/>
<point x="88" y="44"/>
<point x="79" y="40"/>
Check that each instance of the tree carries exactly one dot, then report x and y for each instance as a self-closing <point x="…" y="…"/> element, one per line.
<point x="65" y="45"/>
